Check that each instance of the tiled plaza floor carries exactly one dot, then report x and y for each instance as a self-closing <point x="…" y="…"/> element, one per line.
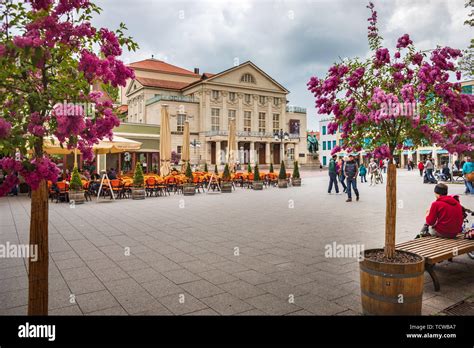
<point x="245" y="253"/>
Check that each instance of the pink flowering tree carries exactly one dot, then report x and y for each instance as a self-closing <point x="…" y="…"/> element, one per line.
<point x="50" y="56"/>
<point x="394" y="100"/>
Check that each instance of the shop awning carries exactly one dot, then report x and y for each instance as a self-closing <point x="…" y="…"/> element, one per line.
<point x="442" y="152"/>
<point x="425" y="152"/>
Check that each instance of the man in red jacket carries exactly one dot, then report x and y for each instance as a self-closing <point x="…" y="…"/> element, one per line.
<point x="445" y="216"/>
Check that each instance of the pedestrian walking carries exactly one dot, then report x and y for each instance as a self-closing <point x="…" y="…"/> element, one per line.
<point x="373" y="168"/>
<point x="363" y="173"/>
<point x="429" y="168"/>
<point x="333" y="174"/>
<point x="421" y="167"/>
<point x="385" y="165"/>
<point x="350" y="171"/>
<point x="342" y="177"/>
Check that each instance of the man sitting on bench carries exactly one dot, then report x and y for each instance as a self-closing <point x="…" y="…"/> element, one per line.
<point x="445" y="216"/>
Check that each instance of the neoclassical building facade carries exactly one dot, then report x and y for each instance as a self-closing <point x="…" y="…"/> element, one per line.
<point x="258" y="103"/>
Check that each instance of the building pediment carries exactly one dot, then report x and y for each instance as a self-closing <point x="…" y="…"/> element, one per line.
<point x="245" y="75"/>
<point x="133" y="86"/>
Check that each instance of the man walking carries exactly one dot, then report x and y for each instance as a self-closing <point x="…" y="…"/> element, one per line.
<point x="341" y="166"/>
<point x="421" y="167"/>
<point x="351" y="170"/>
<point x="333" y="174"/>
<point x="429" y="168"/>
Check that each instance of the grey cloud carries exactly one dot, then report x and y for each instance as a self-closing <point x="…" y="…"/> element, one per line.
<point x="291" y="40"/>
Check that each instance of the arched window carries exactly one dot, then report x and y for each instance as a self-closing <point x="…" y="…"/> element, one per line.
<point x="247" y="78"/>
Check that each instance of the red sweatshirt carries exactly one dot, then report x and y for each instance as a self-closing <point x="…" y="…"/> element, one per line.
<point x="446" y="216"/>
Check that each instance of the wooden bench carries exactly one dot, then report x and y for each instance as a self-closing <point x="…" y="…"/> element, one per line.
<point x="436" y="249"/>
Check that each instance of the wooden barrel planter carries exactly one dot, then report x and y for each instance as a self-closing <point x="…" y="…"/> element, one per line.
<point x="189" y="189"/>
<point x="76" y="196"/>
<point x="282" y="183"/>
<point x="138" y="193"/>
<point x="226" y="187"/>
<point x="296" y="181"/>
<point x="257" y="185"/>
<point x="391" y="288"/>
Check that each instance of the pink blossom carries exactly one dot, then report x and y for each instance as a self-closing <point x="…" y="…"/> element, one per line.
<point x="5" y="128"/>
<point x="404" y="41"/>
<point x="382" y="56"/>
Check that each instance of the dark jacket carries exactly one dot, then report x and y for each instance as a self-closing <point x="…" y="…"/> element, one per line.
<point x="332" y="166"/>
<point x="351" y="169"/>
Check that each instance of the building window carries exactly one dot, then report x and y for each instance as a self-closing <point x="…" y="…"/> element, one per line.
<point x="334" y="143"/>
<point x="247" y="78"/>
<point x="276" y="101"/>
<point x="180" y="122"/>
<point x="324" y="161"/>
<point x="291" y="153"/>
<point x="232" y="114"/>
<point x="263" y="99"/>
<point x="340" y="142"/>
<point x="261" y="122"/>
<point x="247" y="121"/>
<point x="215" y="119"/>
<point x="276" y="123"/>
<point x="248" y="98"/>
<point x="324" y="130"/>
<point x="329" y="145"/>
<point x="215" y="94"/>
<point x="179" y="149"/>
<point x="324" y="145"/>
<point x="231" y="96"/>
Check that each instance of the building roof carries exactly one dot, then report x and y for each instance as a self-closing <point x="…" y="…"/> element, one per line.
<point x="160" y="66"/>
<point x="122" y="109"/>
<point x="157" y="83"/>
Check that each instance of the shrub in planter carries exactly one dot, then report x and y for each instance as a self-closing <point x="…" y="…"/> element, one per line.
<point x="188" y="188"/>
<point x="271" y="168"/>
<point x="295" y="178"/>
<point x="282" y="182"/>
<point x="215" y="170"/>
<point x="249" y="168"/>
<point x="138" y="189"/>
<point x="76" y="191"/>
<point x="257" y="183"/>
<point x="226" y="184"/>
<point x="205" y="168"/>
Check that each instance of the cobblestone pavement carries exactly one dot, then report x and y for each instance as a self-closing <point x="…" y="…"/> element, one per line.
<point x="245" y="253"/>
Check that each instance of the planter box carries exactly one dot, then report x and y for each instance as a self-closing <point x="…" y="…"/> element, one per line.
<point x="282" y="183"/>
<point x="391" y="288"/>
<point x="226" y="187"/>
<point x="296" y="182"/>
<point x="189" y="190"/>
<point x="257" y="185"/>
<point x="138" y="193"/>
<point x="77" y="196"/>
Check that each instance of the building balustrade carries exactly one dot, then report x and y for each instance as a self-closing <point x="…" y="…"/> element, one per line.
<point x="246" y="134"/>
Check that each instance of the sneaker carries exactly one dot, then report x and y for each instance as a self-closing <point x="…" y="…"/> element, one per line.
<point x="349" y="200"/>
<point x="357" y="198"/>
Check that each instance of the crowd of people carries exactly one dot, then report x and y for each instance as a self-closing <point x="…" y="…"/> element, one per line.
<point x="345" y="172"/>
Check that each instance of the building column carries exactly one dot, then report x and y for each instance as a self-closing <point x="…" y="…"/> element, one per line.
<point x="269" y="118"/>
<point x="225" y="116"/>
<point x="418" y="157"/>
<point x="267" y="153"/>
<point x="255" y="114"/>
<point x="402" y="160"/>
<point x="296" y="149"/>
<point x="252" y="153"/>
<point x="239" y="122"/>
<point x="218" y="152"/>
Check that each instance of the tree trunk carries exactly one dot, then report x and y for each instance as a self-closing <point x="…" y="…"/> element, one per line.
<point x="38" y="271"/>
<point x="391" y="210"/>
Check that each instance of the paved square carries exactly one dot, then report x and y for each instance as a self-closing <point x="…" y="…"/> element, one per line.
<point x="245" y="253"/>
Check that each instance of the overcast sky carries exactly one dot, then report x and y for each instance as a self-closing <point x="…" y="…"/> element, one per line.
<point x="290" y="40"/>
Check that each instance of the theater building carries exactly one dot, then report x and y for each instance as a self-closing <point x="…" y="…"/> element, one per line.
<point x="244" y="92"/>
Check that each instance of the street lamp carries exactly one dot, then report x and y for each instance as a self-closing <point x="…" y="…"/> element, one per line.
<point x="281" y="137"/>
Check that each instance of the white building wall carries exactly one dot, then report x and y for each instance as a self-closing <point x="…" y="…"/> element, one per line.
<point x="326" y="142"/>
